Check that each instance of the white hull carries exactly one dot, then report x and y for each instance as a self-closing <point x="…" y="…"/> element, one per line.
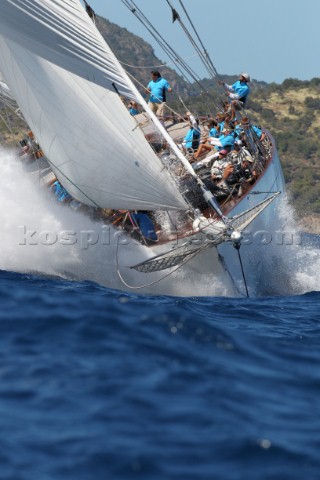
<point x="262" y="238"/>
<point x="217" y="270"/>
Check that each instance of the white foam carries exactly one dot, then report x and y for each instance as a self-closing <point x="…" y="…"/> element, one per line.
<point x="301" y="260"/>
<point x="24" y="207"/>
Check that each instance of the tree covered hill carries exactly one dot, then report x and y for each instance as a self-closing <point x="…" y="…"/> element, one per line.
<point x="291" y="111"/>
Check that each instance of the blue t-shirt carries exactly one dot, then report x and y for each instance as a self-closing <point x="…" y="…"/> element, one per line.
<point x="133" y="111"/>
<point x="257" y="130"/>
<point x="192" y="138"/>
<point x="238" y="130"/>
<point x="221" y="125"/>
<point x="241" y="89"/>
<point x="213" y="132"/>
<point x="227" y="142"/>
<point x="145" y="225"/>
<point x="158" y="90"/>
<point x="60" y="192"/>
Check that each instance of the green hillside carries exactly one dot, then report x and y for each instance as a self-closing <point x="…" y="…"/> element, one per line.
<point x="291" y="111"/>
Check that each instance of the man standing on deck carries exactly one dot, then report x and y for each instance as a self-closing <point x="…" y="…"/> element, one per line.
<point x="240" y="90"/>
<point x="157" y="88"/>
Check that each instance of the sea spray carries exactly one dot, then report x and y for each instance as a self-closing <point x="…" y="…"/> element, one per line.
<point x="288" y="265"/>
<point x="41" y="235"/>
<point x="301" y="253"/>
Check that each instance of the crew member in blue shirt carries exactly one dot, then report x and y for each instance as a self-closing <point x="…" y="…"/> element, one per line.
<point x="158" y="87"/>
<point x="205" y="146"/>
<point x="240" y="90"/>
<point x="214" y="129"/>
<point x="260" y="134"/>
<point x="192" y="139"/>
<point x="60" y="192"/>
<point x="133" y="108"/>
<point x="246" y="128"/>
<point x="225" y="141"/>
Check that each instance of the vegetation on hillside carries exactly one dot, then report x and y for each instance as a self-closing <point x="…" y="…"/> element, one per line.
<point x="291" y="111"/>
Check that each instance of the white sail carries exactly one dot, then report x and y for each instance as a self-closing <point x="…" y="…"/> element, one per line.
<point x="61" y="72"/>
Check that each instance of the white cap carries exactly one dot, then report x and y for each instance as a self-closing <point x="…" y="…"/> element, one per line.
<point x="246" y="76"/>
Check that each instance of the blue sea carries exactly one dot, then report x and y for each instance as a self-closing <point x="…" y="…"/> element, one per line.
<point x="98" y="384"/>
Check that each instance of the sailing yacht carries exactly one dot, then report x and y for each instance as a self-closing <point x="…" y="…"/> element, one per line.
<point x="69" y="86"/>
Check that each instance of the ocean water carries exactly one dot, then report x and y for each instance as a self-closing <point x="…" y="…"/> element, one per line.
<point x="100" y="384"/>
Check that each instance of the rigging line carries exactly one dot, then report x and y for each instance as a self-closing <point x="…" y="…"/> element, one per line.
<point x="160" y="40"/>
<point x="184" y="105"/>
<point x="204" y="55"/>
<point x="205" y="58"/>
<point x="242" y="271"/>
<point x="72" y="183"/>
<point x="181" y="72"/>
<point x="180" y="248"/>
<point x="176" y="16"/>
<point x="155" y="66"/>
<point x="207" y="105"/>
<point x="204" y="49"/>
<point x="178" y="61"/>
<point x="211" y="70"/>
<point x="212" y="73"/>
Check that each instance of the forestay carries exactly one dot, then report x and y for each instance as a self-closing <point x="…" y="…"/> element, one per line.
<point x="60" y="71"/>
